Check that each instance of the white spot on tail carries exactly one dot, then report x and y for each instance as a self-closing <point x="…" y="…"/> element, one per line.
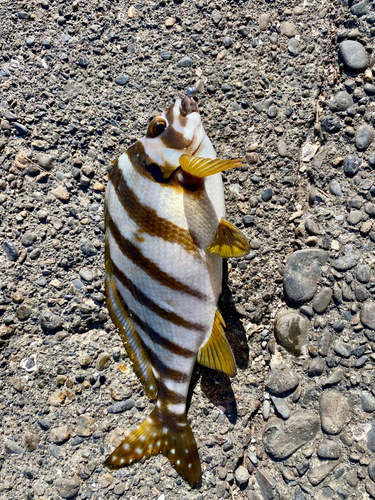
<point x="189" y="466"/>
<point x="178" y="408"/>
<point x="173" y="451"/>
<point x="165" y="430"/>
<point x="114" y="457"/>
<point x="122" y="460"/>
<point x="178" y="462"/>
<point x="158" y="404"/>
<point x="139" y="451"/>
<point x="126" y="446"/>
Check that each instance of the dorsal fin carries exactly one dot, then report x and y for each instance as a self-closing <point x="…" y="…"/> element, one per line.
<point x="229" y="241"/>
<point x="203" y="167"/>
<point x="216" y="352"/>
<point x="128" y="334"/>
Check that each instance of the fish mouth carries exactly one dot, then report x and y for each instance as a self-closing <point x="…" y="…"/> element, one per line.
<point x="188" y="106"/>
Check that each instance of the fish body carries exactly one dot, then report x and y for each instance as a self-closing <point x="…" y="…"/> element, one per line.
<point x="162" y="282"/>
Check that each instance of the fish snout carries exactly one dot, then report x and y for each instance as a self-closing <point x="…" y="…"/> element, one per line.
<point x="188" y="106"/>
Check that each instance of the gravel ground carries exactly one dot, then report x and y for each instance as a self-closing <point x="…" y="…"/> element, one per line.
<point x="286" y="86"/>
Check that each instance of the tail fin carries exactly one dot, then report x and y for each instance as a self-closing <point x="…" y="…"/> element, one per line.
<point x="161" y="433"/>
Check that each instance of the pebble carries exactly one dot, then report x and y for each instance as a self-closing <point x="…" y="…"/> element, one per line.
<point x="361" y="294"/>
<point x="363" y="273"/>
<point x="61" y="193"/>
<point x="267" y="195"/>
<point x="288" y="29"/>
<point x="59" y="435"/>
<point x="281" y="439"/>
<point x="370" y="209"/>
<point x="317" y="367"/>
<point x="281" y="381"/>
<point x="185" y="62"/>
<point x="122" y="80"/>
<point x="266" y="484"/>
<point x="23" y="312"/>
<point x="311" y="226"/>
<point x="341" y="101"/>
<point x="11" y="446"/>
<point x="334" y="411"/>
<point x="364" y="137"/>
<point x="28" y="239"/>
<point x="68" y="487"/>
<point x="322" y="300"/>
<point x="121" y="406"/>
<point x="353" y="55"/>
<point x="21" y="129"/>
<point x="301" y="273"/>
<point x="293" y="47"/>
<point x="328" y="450"/>
<point x="317" y="474"/>
<point x="331" y="124"/>
<point x="242" y="476"/>
<point x="44" y="160"/>
<point x="355" y="216"/>
<point x="86" y="274"/>
<point x="10" y="250"/>
<point x="370" y="487"/>
<point x="347" y="262"/>
<point x="368" y="314"/>
<point x="351" y="165"/>
<point x="371" y="438"/>
<point x="343" y="349"/>
<point x="368" y="402"/>
<point x="216" y="16"/>
<point x="371" y="470"/>
<point x="87" y="248"/>
<point x="102" y="360"/>
<point x="50" y="321"/>
<point x="264" y="20"/>
<point x="369" y="88"/>
<point x="291" y="331"/>
<point x="281" y="407"/>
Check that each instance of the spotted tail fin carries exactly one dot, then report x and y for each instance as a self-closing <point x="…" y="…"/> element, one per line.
<point x="170" y="435"/>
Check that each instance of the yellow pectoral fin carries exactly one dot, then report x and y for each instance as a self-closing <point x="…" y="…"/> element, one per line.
<point x="216" y="352"/>
<point x="203" y="167"/>
<point x="229" y="241"/>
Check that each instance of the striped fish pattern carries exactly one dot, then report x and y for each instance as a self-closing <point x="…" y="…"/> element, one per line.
<point x="165" y="239"/>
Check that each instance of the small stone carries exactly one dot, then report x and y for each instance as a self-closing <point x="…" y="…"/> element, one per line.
<point x="68" y="487"/>
<point x="59" y="435"/>
<point x="84" y="360"/>
<point x="10" y="250"/>
<point x="370" y="487"/>
<point x="288" y="29"/>
<point x="170" y="21"/>
<point x="364" y="137"/>
<point x="30" y="441"/>
<point x="334" y="411"/>
<point x="264" y="20"/>
<point x="106" y="480"/>
<point x="341" y="101"/>
<point x="21" y="129"/>
<point x="61" y="194"/>
<point x="291" y="331"/>
<point x="49" y="321"/>
<point x="293" y="47"/>
<point x="87" y="248"/>
<point x="363" y="273"/>
<point x="185" y="62"/>
<point x="371" y="470"/>
<point x="316" y="475"/>
<point x="335" y="377"/>
<point x="301" y="273"/>
<point x="18" y="383"/>
<point x="252" y="158"/>
<point x="317" y="367"/>
<point x="23" y="312"/>
<point x="266" y="484"/>
<point x="166" y="55"/>
<point x="121" y="407"/>
<point x="368" y="402"/>
<point x="122" y="80"/>
<point x="272" y="112"/>
<point x="242" y="476"/>
<point x="311" y="226"/>
<point x="368" y="315"/>
<point x="86" y="274"/>
<point x="281" y="381"/>
<point x="369" y="88"/>
<point x="103" y="360"/>
<point x="343" y="349"/>
<point x="28" y="239"/>
<point x="370" y="209"/>
<point x="267" y="195"/>
<point x="347" y="262"/>
<point x="322" y="300"/>
<point x="355" y="216"/>
<point x="353" y="55"/>
<point x="216" y="16"/>
<point x="281" y="439"/>
<point x="328" y="450"/>
<point x="86" y="426"/>
<point x="361" y="294"/>
<point x="331" y="124"/>
<point x="366" y="227"/>
<point x="281" y="406"/>
<point x="11" y="446"/>
<point x="45" y="160"/>
<point x="351" y="165"/>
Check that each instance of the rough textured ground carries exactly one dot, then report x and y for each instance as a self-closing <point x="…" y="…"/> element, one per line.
<point x="78" y="84"/>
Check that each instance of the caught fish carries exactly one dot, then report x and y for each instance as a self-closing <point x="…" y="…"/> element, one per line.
<point x="165" y="239"/>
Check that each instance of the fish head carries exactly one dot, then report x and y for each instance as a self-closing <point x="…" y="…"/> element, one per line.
<point x="176" y="131"/>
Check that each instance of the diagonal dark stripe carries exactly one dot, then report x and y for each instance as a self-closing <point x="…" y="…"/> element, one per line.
<point x="153" y="270"/>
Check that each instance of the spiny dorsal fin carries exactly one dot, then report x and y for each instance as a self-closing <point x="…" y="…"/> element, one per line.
<point x="216" y="352"/>
<point x="128" y="334"/>
<point x="202" y="167"/>
<point x="160" y="433"/>
<point x="229" y="241"/>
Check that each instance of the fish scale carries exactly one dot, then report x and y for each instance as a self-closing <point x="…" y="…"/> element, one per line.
<point x="165" y="240"/>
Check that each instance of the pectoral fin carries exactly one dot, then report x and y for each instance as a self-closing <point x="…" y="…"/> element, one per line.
<point x="216" y="352"/>
<point x="229" y="241"/>
<point x="203" y="167"/>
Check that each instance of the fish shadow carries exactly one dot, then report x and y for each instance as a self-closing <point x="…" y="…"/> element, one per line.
<point x="214" y="384"/>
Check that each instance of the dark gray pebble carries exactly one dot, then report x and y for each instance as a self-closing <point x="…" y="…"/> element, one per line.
<point x="351" y="165"/>
<point x="185" y="62"/>
<point x="371" y="470"/>
<point x="166" y="55"/>
<point x="21" y="129"/>
<point x="281" y="381"/>
<point x="347" y="262"/>
<point x="28" y="239"/>
<point x="341" y="101"/>
<point x="317" y="367"/>
<point x="353" y="55"/>
<point x="267" y="195"/>
<point x="360" y="8"/>
<point x="322" y="300"/>
<point x="331" y="124"/>
<point x="88" y="248"/>
<point x="364" y="137"/>
<point x="293" y="47"/>
<point x="122" y="79"/>
<point x="370" y="209"/>
<point x="368" y="314"/>
<point x="68" y="487"/>
<point x="363" y="273"/>
<point x="328" y="450"/>
<point x="371" y="438"/>
<point x="368" y="402"/>
<point x="335" y="188"/>
<point x="272" y="112"/>
<point x="369" y="88"/>
<point x="50" y="321"/>
<point x="361" y="294"/>
<point x="343" y="349"/>
<point x="10" y="250"/>
<point x="121" y="406"/>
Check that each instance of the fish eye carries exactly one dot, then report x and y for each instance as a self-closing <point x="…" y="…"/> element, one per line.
<point x="156" y="127"/>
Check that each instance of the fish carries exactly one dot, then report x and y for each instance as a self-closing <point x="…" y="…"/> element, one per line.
<point x="166" y="237"/>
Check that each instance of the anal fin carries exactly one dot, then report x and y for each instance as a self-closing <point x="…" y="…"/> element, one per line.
<point x="216" y="352"/>
<point x="203" y="167"/>
<point x="161" y="433"/>
<point x="229" y="241"/>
